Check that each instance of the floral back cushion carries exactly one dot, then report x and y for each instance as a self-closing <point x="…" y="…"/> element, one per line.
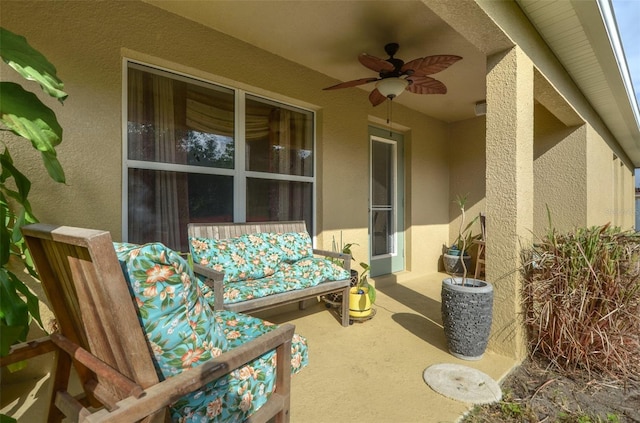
<point x="183" y="332"/>
<point x="294" y="245"/>
<point x="250" y="256"/>
<point x="173" y="311"/>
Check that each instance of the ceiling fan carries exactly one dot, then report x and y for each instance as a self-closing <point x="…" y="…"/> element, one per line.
<point x="396" y="76"/>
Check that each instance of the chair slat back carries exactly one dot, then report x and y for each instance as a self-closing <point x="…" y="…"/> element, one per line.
<point x="90" y="299"/>
<point x="232" y="230"/>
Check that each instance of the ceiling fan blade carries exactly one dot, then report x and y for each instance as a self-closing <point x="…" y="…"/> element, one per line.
<point x="375" y="64"/>
<point x="425" y="85"/>
<point x="350" y="84"/>
<point x="429" y="65"/>
<point x="376" y="97"/>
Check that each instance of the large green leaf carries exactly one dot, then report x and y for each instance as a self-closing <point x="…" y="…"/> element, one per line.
<point x="32" y="299"/>
<point x="16" y="235"/>
<point x="7" y="419"/>
<point x="12" y="307"/>
<point x="25" y="115"/>
<point x="14" y="316"/>
<point x="5" y="235"/>
<point x="54" y="168"/>
<point x="10" y="335"/>
<point x="22" y="182"/>
<point x="30" y="63"/>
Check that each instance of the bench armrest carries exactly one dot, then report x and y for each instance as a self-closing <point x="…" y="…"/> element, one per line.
<point x="215" y="281"/>
<point x="346" y="258"/>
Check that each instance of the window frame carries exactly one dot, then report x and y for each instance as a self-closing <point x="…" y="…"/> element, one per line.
<point x="238" y="172"/>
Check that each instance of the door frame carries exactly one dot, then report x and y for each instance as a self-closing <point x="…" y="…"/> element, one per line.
<point x="391" y="262"/>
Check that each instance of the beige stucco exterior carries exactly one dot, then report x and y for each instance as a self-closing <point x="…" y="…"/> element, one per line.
<point x="540" y="143"/>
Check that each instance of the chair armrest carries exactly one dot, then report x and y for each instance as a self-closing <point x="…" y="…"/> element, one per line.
<point x="346" y="258"/>
<point x="26" y="350"/>
<point x="170" y="390"/>
<point x="215" y="281"/>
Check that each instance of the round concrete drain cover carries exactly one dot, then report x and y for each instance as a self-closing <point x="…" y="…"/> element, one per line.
<point x="462" y="383"/>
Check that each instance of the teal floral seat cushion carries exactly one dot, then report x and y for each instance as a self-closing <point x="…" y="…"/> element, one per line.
<point x="251" y="256"/>
<point x="262" y="264"/>
<point x="299" y="275"/>
<point x="183" y="332"/>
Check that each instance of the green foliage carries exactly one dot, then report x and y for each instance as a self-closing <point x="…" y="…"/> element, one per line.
<point x="511" y="409"/>
<point x="581" y="298"/>
<point x="22" y="113"/>
<point x="363" y="281"/>
<point x="465" y="236"/>
<point x="613" y="418"/>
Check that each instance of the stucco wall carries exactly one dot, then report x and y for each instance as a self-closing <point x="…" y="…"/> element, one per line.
<point x="467" y="171"/>
<point x="601" y="203"/>
<point x="560" y="173"/>
<point x="87" y="42"/>
<point x="427" y="192"/>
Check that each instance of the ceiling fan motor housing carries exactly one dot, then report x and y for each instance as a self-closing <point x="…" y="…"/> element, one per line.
<point x="392" y="49"/>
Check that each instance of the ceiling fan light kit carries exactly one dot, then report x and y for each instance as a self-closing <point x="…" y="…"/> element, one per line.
<point x="391" y="87"/>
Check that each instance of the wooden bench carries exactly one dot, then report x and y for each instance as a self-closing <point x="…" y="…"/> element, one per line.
<point x="224" y="231"/>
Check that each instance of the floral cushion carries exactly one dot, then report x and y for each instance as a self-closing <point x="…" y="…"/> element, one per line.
<point x="299" y="275"/>
<point x="265" y="264"/>
<point x="183" y="332"/>
<point x="294" y="245"/>
<point x="250" y="256"/>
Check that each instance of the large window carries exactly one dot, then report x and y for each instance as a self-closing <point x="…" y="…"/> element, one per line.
<point x="198" y="152"/>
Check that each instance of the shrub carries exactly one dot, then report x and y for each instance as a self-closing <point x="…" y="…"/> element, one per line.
<point x="581" y="296"/>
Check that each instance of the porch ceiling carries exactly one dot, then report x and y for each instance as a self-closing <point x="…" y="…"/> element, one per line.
<point x="327" y="36"/>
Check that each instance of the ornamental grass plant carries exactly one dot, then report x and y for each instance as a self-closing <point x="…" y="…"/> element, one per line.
<point x="581" y="297"/>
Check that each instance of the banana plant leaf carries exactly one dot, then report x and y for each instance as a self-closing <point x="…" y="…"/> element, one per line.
<point x="30" y="63"/>
<point x="24" y="114"/>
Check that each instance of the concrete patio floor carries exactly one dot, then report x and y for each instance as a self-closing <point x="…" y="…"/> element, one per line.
<point x="370" y="371"/>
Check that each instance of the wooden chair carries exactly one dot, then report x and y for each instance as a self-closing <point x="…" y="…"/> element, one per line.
<point x="481" y="248"/>
<point x="99" y="335"/>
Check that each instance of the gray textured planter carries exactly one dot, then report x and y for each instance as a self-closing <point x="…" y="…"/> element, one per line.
<point x="466" y="316"/>
<point x="453" y="264"/>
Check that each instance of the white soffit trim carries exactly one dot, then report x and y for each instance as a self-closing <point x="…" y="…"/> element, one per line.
<point x="606" y="9"/>
<point x="579" y="35"/>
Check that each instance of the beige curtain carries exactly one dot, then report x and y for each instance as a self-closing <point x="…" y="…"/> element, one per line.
<point x="135" y="141"/>
<point x="167" y="224"/>
<point x="155" y="197"/>
<point x="208" y="114"/>
<point x="286" y="140"/>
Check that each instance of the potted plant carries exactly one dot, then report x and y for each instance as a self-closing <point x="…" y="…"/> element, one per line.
<point x="335" y="298"/>
<point x="467" y="304"/>
<point x="362" y="296"/>
<point x="457" y="259"/>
